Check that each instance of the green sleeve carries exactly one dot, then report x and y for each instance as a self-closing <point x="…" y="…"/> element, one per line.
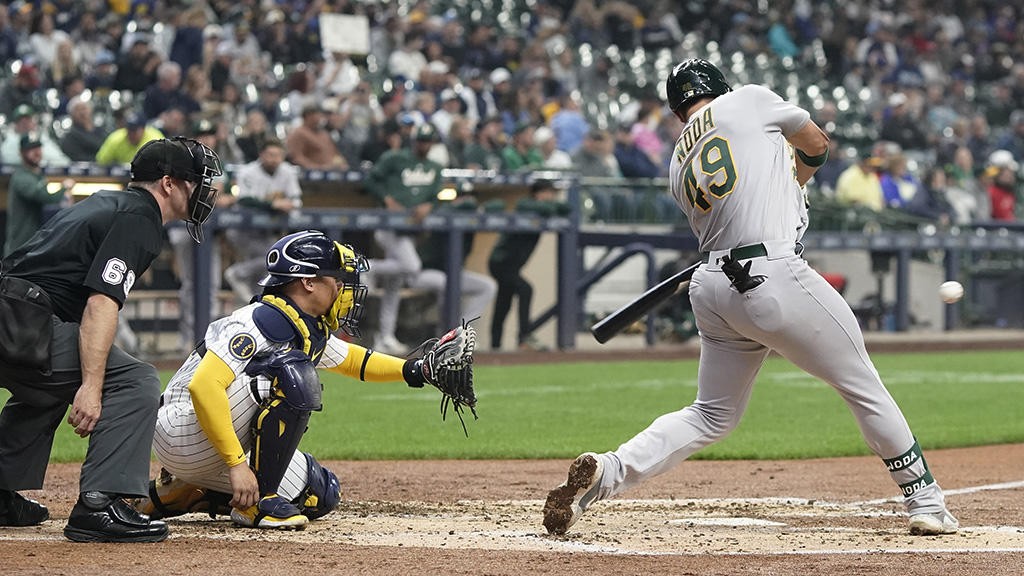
<point x="34" y="189"/>
<point x="377" y="177"/>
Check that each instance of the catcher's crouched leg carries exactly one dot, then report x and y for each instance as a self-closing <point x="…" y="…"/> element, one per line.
<point x="322" y="493"/>
<point x="170" y="496"/>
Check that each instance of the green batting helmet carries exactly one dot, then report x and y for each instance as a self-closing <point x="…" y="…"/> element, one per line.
<point x="692" y="79"/>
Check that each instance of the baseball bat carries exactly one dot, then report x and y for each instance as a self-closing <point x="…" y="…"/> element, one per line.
<point x="617" y="321"/>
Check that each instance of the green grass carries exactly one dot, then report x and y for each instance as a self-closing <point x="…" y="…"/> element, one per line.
<point x="559" y="410"/>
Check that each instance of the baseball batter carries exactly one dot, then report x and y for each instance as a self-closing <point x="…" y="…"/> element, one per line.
<point x="737" y="173"/>
<point x="231" y="418"/>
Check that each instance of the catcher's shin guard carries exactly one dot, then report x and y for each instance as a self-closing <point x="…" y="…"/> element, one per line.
<point x="170" y="496"/>
<point x="322" y="493"/>
<point x="281" y="422"/>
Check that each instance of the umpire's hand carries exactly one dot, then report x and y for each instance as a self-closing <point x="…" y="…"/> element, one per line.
<point x="85" y="410"/>
<point x="244" y="487"/>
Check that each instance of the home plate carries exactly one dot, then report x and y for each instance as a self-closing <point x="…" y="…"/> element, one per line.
<point x="730" y="522"/>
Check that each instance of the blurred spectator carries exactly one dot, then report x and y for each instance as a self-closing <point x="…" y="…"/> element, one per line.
<point x="968" y="201"/>
<point x="83" y="139"/>
<point x="136" y="69"/>
<point x="21" y="90"/>
<point x="104" y="74"/>
<point x="71" y="87"/>
<point x="65" y="65"/>
<point x="408" y="60"/>
<point x="740" y="37"/>
<point x="633" y="162"/>
<point x="45" y="38"/>
<point x="459" y="140"/>
<point x="595" y="157"/>
<point x="404" y="181"/>
<point x="900" y="126"/>
<point x="275" y="37"/>
<point x="485" y="152"/>
<point x="358" y="115"/>
<point x="8" y="39"/>
<point x="980" y="138"/>
<point x="899" y="186"/>
<point x="270" y="103"/>
<point x="310" y="145"/>
<point x="26" y="121"/>
<point x="451" y="107"/>
<point x="87" y="38"/>
<point x="196" y="89"/>
<point x="930" y="201"/>
<point x="244" y="52"/>
<point x="518" y="109"/>
<point x="187" y="47"/>
<point x="520" y="153"/>
<point x="254" y="135"/>
<point x="1002" y="191"/>
<point x="780" y="37"/>
<point x="569" y="124"/>
<point x="479" y="100"/>
<point x="167" y="93"/>
<point x="27" y="194"/>
<point x="272" y="185"/>
<point x="122" y="144"/>
<point x="1013" y="141"/>
<point x="859" y="184"/>
<point x="171" y="122"/>
<point x="339" y="76"/>
<point x="547" y="144"/>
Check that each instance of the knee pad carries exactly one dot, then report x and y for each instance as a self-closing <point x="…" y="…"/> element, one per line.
<point x="322" y="493"/>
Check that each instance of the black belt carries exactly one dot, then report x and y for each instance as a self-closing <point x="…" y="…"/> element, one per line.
<point x="741" y="253"/>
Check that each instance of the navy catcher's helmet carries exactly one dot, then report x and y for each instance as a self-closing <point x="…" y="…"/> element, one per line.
<point x="692" y="79"/>
<point x="184" y="159"/>
<point x="312" y="253"/>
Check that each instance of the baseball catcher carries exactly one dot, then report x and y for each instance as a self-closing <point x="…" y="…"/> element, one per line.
<point x="232" y="417"/>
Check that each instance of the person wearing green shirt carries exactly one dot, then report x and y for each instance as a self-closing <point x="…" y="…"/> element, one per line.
<point x="27" y="195"/>
<point x="510" y="255"/>
<point x="403" y="180"/>
<point x="122" y="144"/>
<point x="520" y="153"/>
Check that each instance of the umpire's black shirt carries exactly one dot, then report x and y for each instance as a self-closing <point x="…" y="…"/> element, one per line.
<point x="101" y="244"/>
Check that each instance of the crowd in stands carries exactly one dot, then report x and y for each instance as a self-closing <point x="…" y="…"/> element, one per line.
<point x="568" y="84"/>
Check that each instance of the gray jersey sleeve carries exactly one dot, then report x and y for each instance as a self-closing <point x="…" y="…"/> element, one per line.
<point x="774" y="111"/>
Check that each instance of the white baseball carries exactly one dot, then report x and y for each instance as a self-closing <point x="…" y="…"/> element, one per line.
<point x="951" y="291"/>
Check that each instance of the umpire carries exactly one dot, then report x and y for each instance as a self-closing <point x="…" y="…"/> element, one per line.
<point x="59" y="298"/>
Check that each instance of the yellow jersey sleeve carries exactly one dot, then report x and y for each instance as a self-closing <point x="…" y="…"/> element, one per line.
<point x="210" y="400"/>
<point x="370" y="366"/>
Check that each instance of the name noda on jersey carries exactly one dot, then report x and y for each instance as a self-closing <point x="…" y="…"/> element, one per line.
<point x="732" y="173"/>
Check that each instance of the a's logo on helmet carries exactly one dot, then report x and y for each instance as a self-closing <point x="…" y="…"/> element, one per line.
<point x="242" y="346"/>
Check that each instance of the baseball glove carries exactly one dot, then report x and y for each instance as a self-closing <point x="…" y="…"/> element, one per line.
<point x="448" y="366"/>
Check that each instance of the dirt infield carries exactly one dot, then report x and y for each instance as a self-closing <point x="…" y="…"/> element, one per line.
<point x="483" y="517"/>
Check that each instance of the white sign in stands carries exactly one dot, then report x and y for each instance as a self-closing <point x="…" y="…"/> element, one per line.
<point x="345" y="33"/>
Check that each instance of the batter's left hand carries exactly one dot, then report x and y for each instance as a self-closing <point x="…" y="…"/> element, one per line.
<point x="85" y="410"/>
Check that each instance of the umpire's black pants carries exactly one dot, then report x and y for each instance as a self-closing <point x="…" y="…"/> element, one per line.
<point x="117" y="460"/>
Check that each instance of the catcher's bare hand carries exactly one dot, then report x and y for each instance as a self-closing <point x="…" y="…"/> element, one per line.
<point x="86" y="408"/>
<point x="245" y="489"/>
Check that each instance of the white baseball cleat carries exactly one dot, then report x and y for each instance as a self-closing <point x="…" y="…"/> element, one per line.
<point x="567" y="502"/>
<point x="933" y="524"/>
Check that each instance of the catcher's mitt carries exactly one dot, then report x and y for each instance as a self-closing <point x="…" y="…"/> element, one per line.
<point x="448" y="365"/>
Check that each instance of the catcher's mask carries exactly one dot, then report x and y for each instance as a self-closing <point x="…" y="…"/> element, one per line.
<point x="692" y="79"/>
<point x="311" y="253"/>
<point x="184" y="159"/>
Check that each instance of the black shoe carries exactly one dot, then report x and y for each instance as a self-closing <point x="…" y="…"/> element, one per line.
<point x="16" y="510"/>
<point x="99" y="517"/>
